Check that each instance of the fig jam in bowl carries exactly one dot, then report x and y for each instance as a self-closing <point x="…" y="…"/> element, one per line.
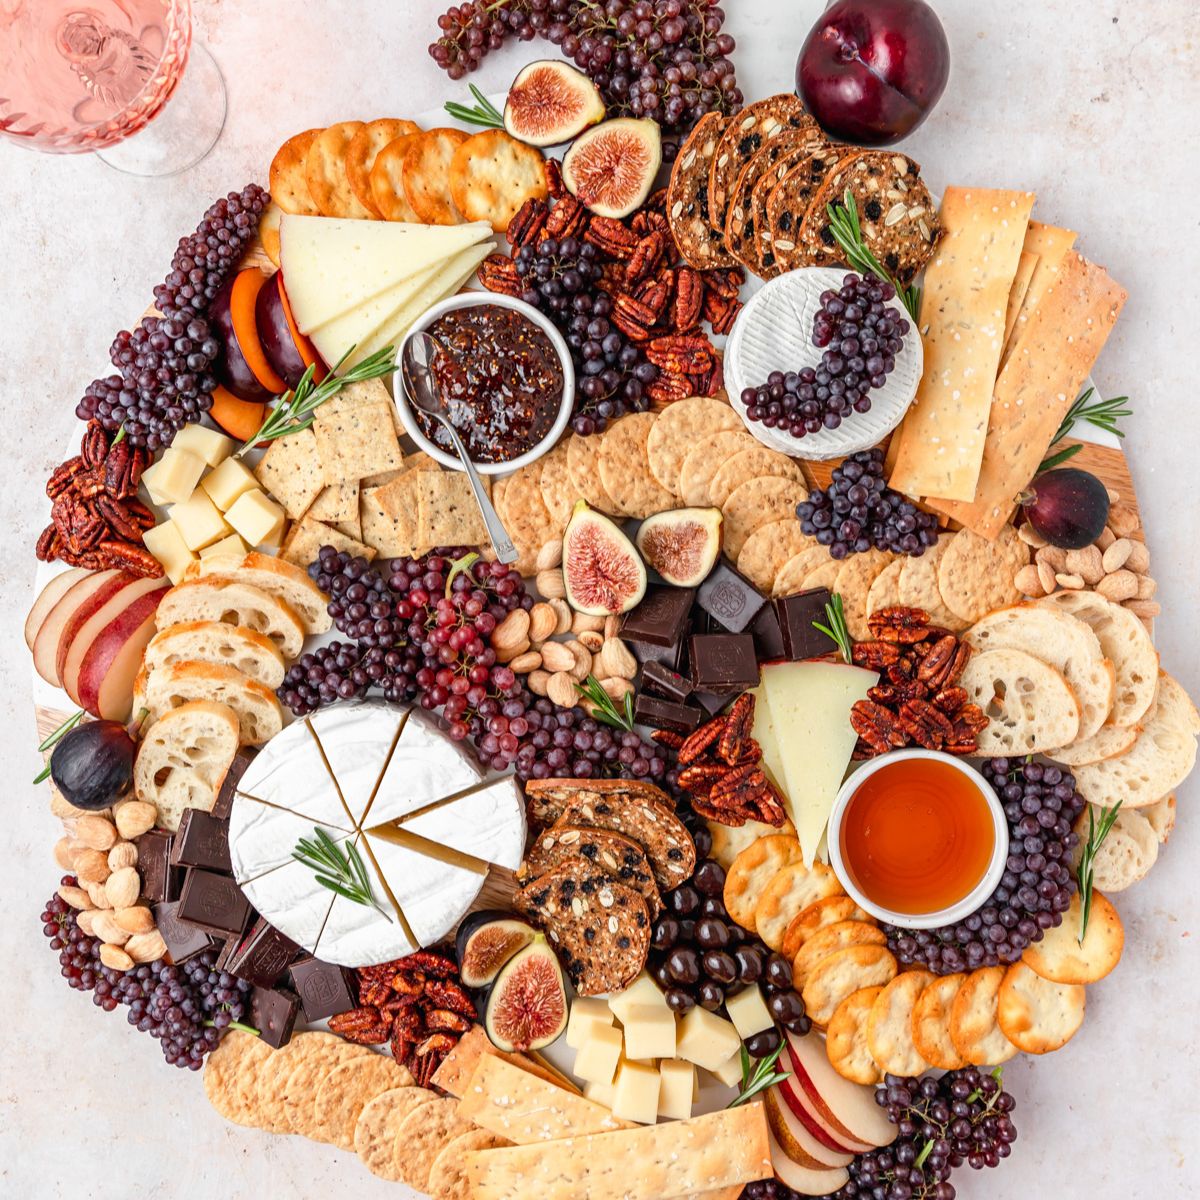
<point x="505" y="379"/>
<point x="918" y="839"/>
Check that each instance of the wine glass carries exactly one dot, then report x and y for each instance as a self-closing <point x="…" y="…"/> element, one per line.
<point x="108" y="76"/>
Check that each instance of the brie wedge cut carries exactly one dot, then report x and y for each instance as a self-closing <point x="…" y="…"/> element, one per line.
<point x="262" y="837"/>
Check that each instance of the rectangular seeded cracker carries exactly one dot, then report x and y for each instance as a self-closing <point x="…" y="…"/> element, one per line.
<point x="1036" y="388"/>
<point x="1026" y="266"/>
<point x="337" y="502"/>
<point x="459" y="1065"/>
<point x="356" y="435"/>
<point x="1051" y="244"/>
<point x="447" y="514"/>
<point x="306" y="538"/>
<point x="967" y="284"/>
<point x="291" y="471"/>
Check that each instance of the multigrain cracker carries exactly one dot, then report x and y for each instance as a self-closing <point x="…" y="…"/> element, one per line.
<point x="274" y="1072"/>
<point x="677" y="430"/>
<point x="824" y="576"/>
<point x="325" y="173"/>
<point x="344" y="1092"/>
<point x="492" y="175"/>
<point x="337" y="502"/>
<point x="387" y="179"/>
<point x="885" y="591"/>
<point x="378" y="1125"/>
<point x="846" y="1038"/>
<point x="524" y="514"/>
<point x="790" y="578"/>
<point x="447" y="511"/>
<point x="583" y="467"/>
<point x="889" y="1026"/>
<point x="1059" y="956"/>
<point x="756" y="503"/>
<point x="303" y="543"/>
<point x="558" y="492"/>
<point x="974" y="1030"/>
<point x="393" y="535"/>
<point x="230" y="1075"/>
<point x="688" y="199"/>
<point x="362" y="151"/>
<point x="787" y="203"/>
<point x="751" y="872"/>
<point x="1036" y="1015"/>
<point x="768" y="548"/>
<point x="448" y="1175"/>
<point x="751" y="463"/>
<point x="625" y="467"/>
<point x="976" y="576"/>
<point x="829" y="938"/>
<point x="299" y="1092"/>
<point x="291" y="471"/>
<point x="426" y="175"/>
<point x="853" y="582"/>
<point x="701" y="463"/>
<point x="919" y="585"/>
<point x="816" y="916"/>
<point x="931" y="1023"/>
<point x="421" y="1137"/>
<point x="842" y="972"/>
<point x="356" y="437"/>
<point x="287" y="179"/>
<point x="791" y="890"/>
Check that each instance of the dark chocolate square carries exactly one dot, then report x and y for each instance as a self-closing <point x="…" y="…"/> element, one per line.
<point x="660" y="713"/>
<point x="768" y="636"/>
<point x="201" y="840"/>
<point x="662" y="616"/>
<point x="241" y="760"/>
<point x="262" y="955"/>
<point x="213" y="902"/>
<point x="273" y="1013"/>
<point x="661" y="680"/>
<point x="668" y="656"/>
<point x="730" y="598"/>
<point x="796" y="616"/>
<point x="325" y="989"/>
<point x="183" y="939"/>
<point x="723" y="663"/>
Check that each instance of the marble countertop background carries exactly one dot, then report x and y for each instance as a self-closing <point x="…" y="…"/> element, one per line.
<point x="1091" y="103"/>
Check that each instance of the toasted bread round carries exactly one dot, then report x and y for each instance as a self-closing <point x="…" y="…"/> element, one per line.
<point x="325" y="171"/>
<point x="846" y="1038"/>
<point x="842" y="972"/>
<point x="1060" y="958"/>
<point x="931" y="1023"/>
<point x="791" y="891"/>
<point x="816" y="916"/>
<point x="287" y="178"/>
<point x="890" y="1025"/>
<point x="282" y="579"/>
<point x="362" y="151"/>
<point x="728" y="841"/>
<point x="1110" y="742"/>
<point x="1036" y="1015"/>
<point x="492" y="175"/>
<point x="1029" y="705"/>
<point x="833" y="937"/>
<point x="974" y="1029"/>
<point x="1127" y="853"/>
<point x="751" y="872"/>
<point x="426" y="175"/>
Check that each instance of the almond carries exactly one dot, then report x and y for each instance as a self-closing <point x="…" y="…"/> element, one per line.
<point x="1072" y="582"/>
<point x="146" y="947"/>
<point x="108" y="930"/>
<point x="1031" y="537"/>
<point x="1146" y="609"/>
<point x="562" y="610"/>
<point x="616" y="688"/>
<point x="134" y="817"/>
<point x="542" y="622"/>
<point x="593" y="639"/>
<point x="551" y="584"/>
<point x="557" y="657"/>
<point x="1106" y="539"/>
<point x="64" y="853"/>
<point x="76" y="897"/>
<point x="1117" y="555"/>
<point x="617" y="659"/>
<point x="1120" y="585"/>
<point x="537" y="682"/>
<point x="524" y="663"/>
<point x="123" y="854"/>
<point x="1087" y="562"/>
<point x="86" y="919"/>
<point x="1046" y="578"/>
<point x="1029" y="580"/>
<point x="123" y="887"/>
<point x="561" y="689"/>
<point x="97" y="833"/>
<point x="98" y="895"/>
<point x="1123" y="520"/>
<point x="512" y="632"/>
<point x="508" y="653"/>
<point x="1146" y="587"/>
<point x="115" y="958"/>
<point x="135" y="919"/>
<point x="583" y="621"/>
<point x="583" y="660"/>
<point x="91" y="866"/>
<point x="550" y="555"/>
<point x="1139" y="558"/>
<point x="1053" y="556"/>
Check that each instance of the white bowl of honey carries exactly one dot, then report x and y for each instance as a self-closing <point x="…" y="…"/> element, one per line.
<point x="918" y="838"/>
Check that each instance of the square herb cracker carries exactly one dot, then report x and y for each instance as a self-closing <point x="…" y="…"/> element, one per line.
<point x="392" y="534"/>
<point x="337" y="502"/>
<point x="306" y="538"/>
<point x="447" y="514"/>
<point x="356" y="437"/>
<point x="291" y="471"/>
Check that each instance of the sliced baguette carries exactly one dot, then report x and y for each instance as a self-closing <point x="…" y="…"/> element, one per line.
<point x="283" y="580"/>
<point x="217" y="598"/>
<point x="1061" y="641"/>
<point x="252" y="653"/>
<point x="1161" y="815"/>
<point x="183" y="758"/>
<point x="259" y="714"/>
<point x="1030" y="705"/>
<point x="1126" y="854"/>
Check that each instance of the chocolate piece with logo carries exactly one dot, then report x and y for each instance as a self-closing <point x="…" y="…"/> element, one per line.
<point x="325" y="989"/>
<point x="183" y="939"/>
<point x="213" y="902"/>
<point x="273" y="1013"/>
<point x="262" y="956"/>
<point x="723" y="663"/>
<point x="661" y="618"/>
<point x="796" y="616"/>
<point x="730" y="598"/>
<point x="202" y="840"/>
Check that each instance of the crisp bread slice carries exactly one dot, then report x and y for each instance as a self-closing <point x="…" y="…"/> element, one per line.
<point x="687" y="197"/>
<point x="600" y="929"/>
<point x="899" y="219"/>
<point x="447" y="511"/>
<point x="787" y="204"/>
<point x="620" y="856"/>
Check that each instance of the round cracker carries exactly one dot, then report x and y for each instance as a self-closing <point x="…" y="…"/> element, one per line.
<point x="300" y="1088"/>
<point x="974" y="1030"/>
<point x="422" y="1136"/>
<point x="853" y="583"/>
<point x="790" y="578"/>
<point x="833" y="937"/>
<point x="824" y="576"/>
<point x="816" y="916"/>
<point x="842" y="972"/>
<point x="1036" y="1015"/>
<point x="528" y="521"/>
<point x="558" y="494"/>
<point x="846" y="1041"/>
<point x="677" y="430"/>
<point x="889" y="1025"/>
<point x="287" y="179"/>
<point x="492" y="174"/>
<point x="704" y="460"/>
<point x="751" y="872"/>
<point x="756" y="503"/>
<point x="769" y="548"/>
<point x="976" y="576"/>
<point x="792" y="890"/>
<point x="387" y="180"/>
<point x="1060" y="958"/>
<point x="885" y="591"/>
<point x="364" y="148"/>
<point x="728" y="841"/>
<point x="344" y="1092"/>
<point x="919" y="585"/>
<point x="583" y="466"/>
<point x="448" y="1175"/>
<point x="378" y="1125"/>
<point x="752" y="463"/>
<point x="325" y="171"/>
<point x="931" y="1023"/>
<point x="426" y="175"/>
<point x="625" y="467"/>
<point x="274" y="1072"/>
<point x="230" y="1075"/>
<point x="1110" y="742"/>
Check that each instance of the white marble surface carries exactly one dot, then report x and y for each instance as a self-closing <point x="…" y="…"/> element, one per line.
<point x="1090" y="104"/>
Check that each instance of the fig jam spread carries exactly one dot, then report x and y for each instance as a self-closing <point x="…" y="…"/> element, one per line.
<point x="499" y="379"/>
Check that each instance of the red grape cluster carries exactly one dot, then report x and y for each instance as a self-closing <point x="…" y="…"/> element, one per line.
<point x="665" y="59"/>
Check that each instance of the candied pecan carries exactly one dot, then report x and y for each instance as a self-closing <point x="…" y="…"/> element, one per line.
<point x="89" y="483"/>
<point x="876" y="726"/>
<point x="654" y="294"/>
<point x="938" y="661"/>
<point x="80" y="528"/>
<point x="875" y="655"/>
<point x="364" y="1026"/>
<point x="746" y="778"/>
<point x="528" y="222"/>
<point x="666" y="389"/>
<point x="139" y="514"/>
<point x="94" y="447"/>
<point x="680" y="353"/>
<point x="769" y="805"/>
<point x="554" y="179"/>
<point x="700" y="777"/>
<point x="656" y="202"/>
<point x="644" y="260"/>
<point x="720" y="311"/>
<point x="734" y="818"/>
<point x="898" y="624"/>
<point x="568" y="218"/>
<point x="433" y="964"/>
<point x="900" y="671"/>
<point x="48" y="544"/>
<point x="137" y="560"/>
<point x="892" y="695"/>
<point x="499" y="274"/>
<point x="950" y="700"/>
<point x="442" y="1019"/>
<point x="117" y="518"/>
<point x="611" y="236"/>
<point x="626" y="305"/>
<point x="696" y="743"/>
<point x="732" y="746"/>
<point x="962" y="656"/>
<point x="123" y="469"/>
<point x="63" y="477"/>
<point x="445" y="993"/>
<point x="688" y="301"/>
<point x="373" y="993"/>
<point x="973" y="717"/>
<point x="727" y="282"/>
<point x="667" y="737"/>
<point x="926" y="725"/>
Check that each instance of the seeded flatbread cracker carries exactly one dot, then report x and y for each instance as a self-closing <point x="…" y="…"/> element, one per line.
<point x="842" y="972"/>
<point x="753" y="870"/>
<point x="362" y="151"/>
<point x="291" y="471"/>
<point x="274" y="1072"/>
<point x="558" y="493"/>
<point x="426" y="175"/>
<point x="344" y="1092"/>
<point x="688" y="200"/>
<point x="853" y="582"/>
<point x="974" y="1030"/>
<point x="751" y="463"/>
<point x="447" y="511"/>
<point x="387" y="179"/>
<point x="492" y="175"/>
<point x="758" y="248"/>
<point x="1060" y="958"/>
<point x="230" y="1075"/>
<point x="919" y="585"/>
<point x="448" y="1175"/>
<point x="625" y="467"/>
<point x="756" y="503"/>
<point x="786" y="206"/>
<point x="976" y="576"/>
<point x="299" y="1093"/>
<point x="824" y="576"/>
<point x="829" y="938"/>
<point x="1036" y="1015"/>
<point x="287" y="179"/>
<point x="728" y="841"/>
<point x="378" y="1125"/>
<point x="704" y="460"/>
<point x="790" y="578"/>
<point x="421" y="1137"/>
<point x="583" y="466"/>
<point x="306" y="537"/>
<point x="889" y="1026"/>
<point x="677" y="430"/>
<point x="356" y="438"/>
<point x="931" y="1023"/>
<point x="524" y="514"/>
<point x="325" y="172"/>
<point x="818" y="915"/>
<point x="390" y="535"/>
<point x="885" y="591"/>
<point x="792" y="889"/>
<point x="337" y="502"/>
<point x="846" y="1038"/>
<point x="768" y="548"/>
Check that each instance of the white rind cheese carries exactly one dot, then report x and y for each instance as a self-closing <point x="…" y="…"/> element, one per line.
<point x="262" y="837"/>
<point x="293" y="902"/>
<point x="425" y="767"/>
<point x="489" y="823"/>
<point x="356" y="739"/>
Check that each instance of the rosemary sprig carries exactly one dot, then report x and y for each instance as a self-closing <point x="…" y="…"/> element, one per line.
<point x="1097" y="832"/>
<point x="836" y="628"/>
<point x="847" y="232"/>
<point x="53" y="740"/>
<point x="296" y="409"/>
<point x="343" y="873"/>
<point x="1104" y="414"/>
<point x="484" y="113"/>
<point x="759" y="1077"/>
<point x="1057" y="460"/>
<point x="604" y="708"/>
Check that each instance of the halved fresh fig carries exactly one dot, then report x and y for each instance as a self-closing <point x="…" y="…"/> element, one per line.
<point x="551" y="102"/>
<point x="682" y="544"/>
<point x="526" y="1008"/>
<point x="603" y="572"/>
<point x="1068" y="507"/>
<point x="611" y="168"/>
<point x="486" y="941"/>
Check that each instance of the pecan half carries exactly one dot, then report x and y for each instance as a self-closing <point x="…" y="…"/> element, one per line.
<point x="680" y="353"/>
<point x="688" y="301"/>
<point x="568" y="218"/>
<point x="499" y="274"/>
<point x="878" y="727"/>
<point x="875" y="655"/>
<point x="644" y="260"/>
<point x="926" y="725"/>
<point x="899" y="624"/>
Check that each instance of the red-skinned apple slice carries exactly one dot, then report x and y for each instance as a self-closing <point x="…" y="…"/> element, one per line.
<point x="49" y="596"/>
<point x="104" y="685"/>
<point x="807" y="1181"/>
<point x="849" y="1109"/>
<point x="50" y="633"/>
<point x="797" y="1143"/>
<point x="803" y="1109"/>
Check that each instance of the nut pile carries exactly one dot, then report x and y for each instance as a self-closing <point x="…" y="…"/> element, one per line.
<point x="416" y="1004"/>
<point x="1117" y="565"/>
<point x="720" y="767"/>
<point x="917" y="699"/>
<point x="107" y="898"/>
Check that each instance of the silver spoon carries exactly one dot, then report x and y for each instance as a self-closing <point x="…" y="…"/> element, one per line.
<point x="421" y="388"/>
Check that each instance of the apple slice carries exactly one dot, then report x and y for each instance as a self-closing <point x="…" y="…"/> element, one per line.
<point x="49" y="596"/>
<point x="803" y="1109"/>
<point x="807" y="1181"/>
<point x="49" y="635"/>
<point x="104" y="686"/>
<point x="797" y="1143"/>
<point x="848" y="1108"/>
<point x="112" y="586"/>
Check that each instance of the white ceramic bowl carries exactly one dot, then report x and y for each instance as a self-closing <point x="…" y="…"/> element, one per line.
<point x="945" y="916"/>
<point x="474" y="300"/>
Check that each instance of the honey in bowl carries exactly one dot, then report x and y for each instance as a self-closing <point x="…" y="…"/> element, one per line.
<point x="917" y="836"/>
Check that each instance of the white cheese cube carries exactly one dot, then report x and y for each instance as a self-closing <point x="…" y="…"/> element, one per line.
<point x="173" y="478"/>
<point x="587" y="1013"/>
<point x="635" y="1094"/>
<point x="597" y="1059"/>
<point x="230" y="547"/>
<point x="677" y="1089"/>
<point x="210" y="444"/>
<point x="649" y="1032"/>
<point x="748" y="1012"/>
<point x="256" y="517"/>
<point x="599" y="1093"/>
<point x="706" y="1039"/>
<point x="730" y="1071"/>
<point x="166" y="543"/>
<point x="199" y="521"/>
<point x="227" y="482"/>
<point x="642" y="991"/>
